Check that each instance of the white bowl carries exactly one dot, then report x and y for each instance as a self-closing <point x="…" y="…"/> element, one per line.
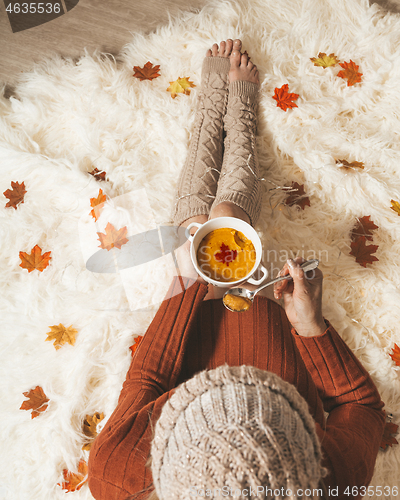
<point x="234" y="223"/>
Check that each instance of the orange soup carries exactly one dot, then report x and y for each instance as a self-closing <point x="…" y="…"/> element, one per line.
<point x="226" y="255"/>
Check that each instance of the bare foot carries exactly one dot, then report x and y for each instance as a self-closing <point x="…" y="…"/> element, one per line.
<point x="224" y="49"/>
<point x="242" y="68"/>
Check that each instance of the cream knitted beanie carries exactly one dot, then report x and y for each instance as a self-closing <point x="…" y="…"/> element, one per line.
<point x="235" y="432"/>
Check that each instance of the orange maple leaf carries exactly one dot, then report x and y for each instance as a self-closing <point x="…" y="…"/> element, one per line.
<point x="90" y="428"/>
<point x="284" y="99"/>
<point x="395" y="206"/>
<point x="350" y="73"/>
<point x="75" y="481"/>
<point x="396" y="354"/>
<point x="133" y="347"/>
<point x="180" y="86"/>
<point x="148" y="72"/>
<point x="362" y="252"/>
<point x="297" y="196"/>
<point x="324" y="60"/>
<point x="95" y="202"/>
<point x="99" y="175"/>
<point x="363" y="227"/>
<point x="345" y="165"/>
<point x="37" y="401"/>
<point x="34" y="260"/>
<point x="113" y="237"/>
<point x="15" y="195"/>
<point x="387" y="438"/>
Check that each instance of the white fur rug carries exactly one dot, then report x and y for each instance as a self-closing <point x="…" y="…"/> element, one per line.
<point x="65" y="119"/>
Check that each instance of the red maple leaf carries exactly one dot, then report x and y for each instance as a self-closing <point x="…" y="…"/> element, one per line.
<point x="396" y="354"/>
<point x="226" y="255"/>
<point x="362" y="252"/>
<point x="133" y="347"/>
<point x="148" y="72"/>
<point x="283" y="99"/>
<point x="363" y="227"/>
<point x="350" y="72"/>
<point x="297" y="196"/>
<point x="16" y="194"/>
<point x="387" y="438"/>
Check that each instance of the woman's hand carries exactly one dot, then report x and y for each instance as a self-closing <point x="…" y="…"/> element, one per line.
<point x="302" y="298"/>
<point x="184" y="263"/>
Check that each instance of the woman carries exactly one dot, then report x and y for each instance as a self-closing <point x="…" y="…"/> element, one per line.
<point x="248" y="416"/>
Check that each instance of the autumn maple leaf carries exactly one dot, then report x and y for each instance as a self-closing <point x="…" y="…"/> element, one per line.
<point x="133" y="347"/>
<point x="324" y="60"/>
<point x="226" y="255"/>
<point x="148" y="72"/>
<point x="180" y="86"/>
<point x="113" y="237"/>
<point x="90" y="428"/>
<point x="15" y="195"/>
<point x="75" y="481"/>
<point x="395" y="354"/>
<point x="345" y="165"/>
<point x="99" y="175"/>
<point x="61" y="335"/>
<point x="350" y="73"/>
<point x="387" y="438"/>
<point x="297" y="196"/>
<point x="95" y="203"/>
<point x="362" y="252"/>
<point x="37" y="401"/>
<point x="364" y="227"/>
<point x="283" y="99"/>
<point x="395" y="206"/>
<point x="34" y="260"/>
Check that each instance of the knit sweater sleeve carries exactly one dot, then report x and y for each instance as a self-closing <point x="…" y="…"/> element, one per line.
<point x="350" y="442"/>
<point x="119" y="453"/>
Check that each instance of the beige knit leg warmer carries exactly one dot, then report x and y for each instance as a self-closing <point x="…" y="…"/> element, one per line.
<point x="198" y="180"/>
<point x="239" y="179"/>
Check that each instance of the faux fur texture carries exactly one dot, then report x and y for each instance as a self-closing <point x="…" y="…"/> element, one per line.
<point x="67" y="118"/>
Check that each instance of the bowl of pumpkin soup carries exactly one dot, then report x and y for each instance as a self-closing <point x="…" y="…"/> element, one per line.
<point x="226" y="251"/>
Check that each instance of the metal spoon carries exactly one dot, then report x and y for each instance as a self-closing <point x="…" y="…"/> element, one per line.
<point x="248" y="295"/>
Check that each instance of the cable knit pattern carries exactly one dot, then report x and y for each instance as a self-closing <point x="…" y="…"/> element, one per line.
<point x="239" y="180"/>
<point x="197" y="185"/>
<point x="235" y="427"/>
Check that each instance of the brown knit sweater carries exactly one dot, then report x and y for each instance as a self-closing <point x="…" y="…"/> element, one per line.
<point x="188" y="335"/>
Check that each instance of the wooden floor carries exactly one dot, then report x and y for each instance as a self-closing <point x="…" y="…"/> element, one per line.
<point x="103" y="24"/>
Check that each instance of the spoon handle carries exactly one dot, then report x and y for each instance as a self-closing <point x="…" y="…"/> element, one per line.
<point x="309" y="265"/>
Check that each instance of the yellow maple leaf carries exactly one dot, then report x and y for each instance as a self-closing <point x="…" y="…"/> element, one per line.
<point x="395" y="206"/>
<point x="180" y="86"/>
<point x="97" y="204"/>
<point x="61" y="335"/>
<point x="90" y="428"/>
<point x="324" y="60"/>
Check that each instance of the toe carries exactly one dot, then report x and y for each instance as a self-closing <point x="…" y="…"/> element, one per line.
<point x="214" y="50"/>
<point x="244" y="60"/>
<point x="235" y="58"/>
<point x="222" y="47"/>
<point x="228" y="48"/>
<point x="237" y="44"/>
<point x="209" y="53"/>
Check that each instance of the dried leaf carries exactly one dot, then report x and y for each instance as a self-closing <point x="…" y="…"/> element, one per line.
<point x="226" y="255"/>
<point x="113" y="237"/>
<point x="345" y="165"/>
<point x="363" y="227"/>
<point x="90" y="428"/>
<point x="16" y="195"/>
<point x="99" y="175"/>
<point x="37" y="401"/>
<point x="75" y="481"/>
<point x="61" y="335"/>
<point x="350" y="73"/>
<point x="297" y="196"/>
<point x="148" y="72"/>
<point x="133" y="347"/>
<point x="179" y="86"/>
<point x="95" y="202"/>
<point x="388" y="439"/>
<point x="396" y="354"/>
<point x="362" y="252"/>
<point x="324" y="60"/>
<point x="34" y="260"/>
<point x="283" y="99"/>
<point x="395" y="206"/>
